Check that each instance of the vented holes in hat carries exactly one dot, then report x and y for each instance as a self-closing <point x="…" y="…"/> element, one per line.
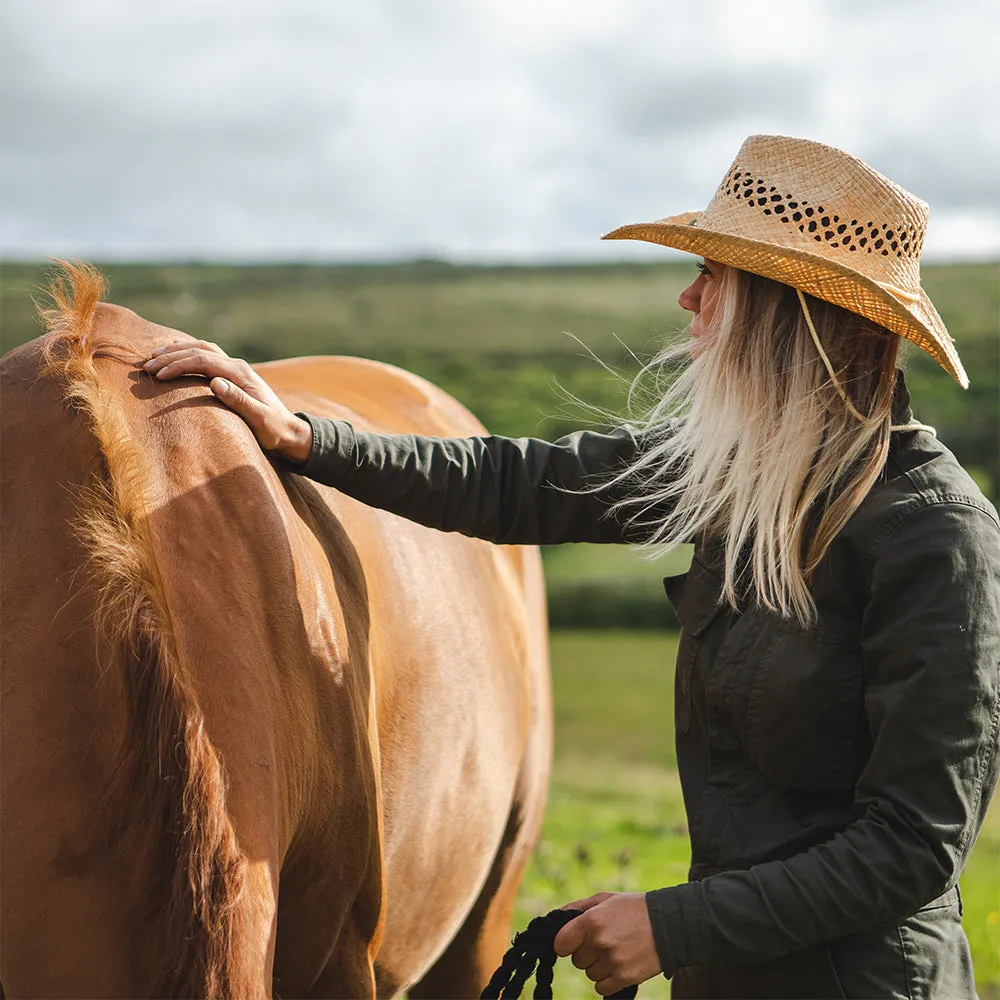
<point x="818" y="222"/>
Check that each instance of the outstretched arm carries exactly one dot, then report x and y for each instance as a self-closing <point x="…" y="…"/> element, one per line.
<point x="503" y="489"/>
<point x="508" y="490"/>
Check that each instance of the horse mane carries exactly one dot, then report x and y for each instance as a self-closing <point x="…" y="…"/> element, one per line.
<point x="167" y="771"/>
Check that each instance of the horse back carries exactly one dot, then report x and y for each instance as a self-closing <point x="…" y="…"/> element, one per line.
<point x="156" y="732"/>
<point x="219" y="677"/>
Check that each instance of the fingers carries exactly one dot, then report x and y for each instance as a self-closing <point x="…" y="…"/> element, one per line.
<point x="586" y="956"/>
<point x="252" y="410"/>
<point x="267" y="425"/>
<point x="195" y="361"/>
<point x="167" y="355"/>
<point x="224" y="390"/>
<point x="612" y="940"/>
<point x="586" y="904"/>
<point x="234" y="394"/>
<point x="234" y="382"/>
<point x="601" y="968"/>
<point x="598" y="962"/>
<point x="573" y="934"/>
<point x="570" y="937"/>
<point x="188" y="342"/>
<point x="611" y="984"/>
<point x="180" y="352"/>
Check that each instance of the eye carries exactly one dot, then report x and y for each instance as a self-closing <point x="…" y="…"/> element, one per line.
<point x="703" y="267"/>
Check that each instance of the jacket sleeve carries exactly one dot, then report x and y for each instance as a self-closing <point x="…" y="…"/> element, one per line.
<point x="931" y="654"/>
<point x="506" y="490"/>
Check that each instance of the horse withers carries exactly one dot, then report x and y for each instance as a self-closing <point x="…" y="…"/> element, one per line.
<point x="256" y="737"/>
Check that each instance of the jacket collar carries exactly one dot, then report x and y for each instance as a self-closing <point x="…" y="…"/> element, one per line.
<point x="901" y="412"/>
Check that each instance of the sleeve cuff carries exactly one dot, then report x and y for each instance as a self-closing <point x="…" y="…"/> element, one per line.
<point x="331" y="452"/>
<point x="676" y="916"/>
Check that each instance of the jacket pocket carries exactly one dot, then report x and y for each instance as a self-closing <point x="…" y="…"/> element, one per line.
<point x="922" y="957"/>
<point x="808" y="974"/>
<point x="804" y="707"/>
<point x="936" y="950"/>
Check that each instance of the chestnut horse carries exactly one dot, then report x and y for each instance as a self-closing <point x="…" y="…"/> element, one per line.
<point x="258" y="739"/>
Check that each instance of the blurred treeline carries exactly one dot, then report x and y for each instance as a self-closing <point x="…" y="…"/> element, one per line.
<point x="517" y="346"/>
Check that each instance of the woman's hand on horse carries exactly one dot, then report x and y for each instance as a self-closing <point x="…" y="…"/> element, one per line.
<point x="612" y="939"/>
<point x="237" y="385"/>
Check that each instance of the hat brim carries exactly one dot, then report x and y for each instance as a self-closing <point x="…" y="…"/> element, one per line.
<point x="914" y="318"/>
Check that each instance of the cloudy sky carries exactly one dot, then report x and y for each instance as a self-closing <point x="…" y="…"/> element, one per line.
<point x="466" y="129"/>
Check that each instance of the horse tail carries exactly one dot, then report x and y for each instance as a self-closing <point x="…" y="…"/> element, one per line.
<point x="167" y="771"/>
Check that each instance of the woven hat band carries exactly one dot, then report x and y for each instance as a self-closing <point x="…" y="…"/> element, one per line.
<point x="836" y="207"/>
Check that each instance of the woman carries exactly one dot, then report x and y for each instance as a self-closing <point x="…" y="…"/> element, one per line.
<point x="837" y="696"/>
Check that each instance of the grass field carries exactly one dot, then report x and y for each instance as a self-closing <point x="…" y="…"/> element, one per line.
<point x="615" y="819"/>
<point x="611" y="563"/>
<point x="282" y="310"/>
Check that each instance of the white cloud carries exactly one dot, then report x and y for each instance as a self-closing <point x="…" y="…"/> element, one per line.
<point x="489" y="129"/>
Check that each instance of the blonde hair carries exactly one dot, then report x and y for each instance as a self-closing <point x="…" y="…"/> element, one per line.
<point x="752" y="442"/>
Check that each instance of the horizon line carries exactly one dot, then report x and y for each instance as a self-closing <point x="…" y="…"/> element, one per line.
<point x="675" y="258"/>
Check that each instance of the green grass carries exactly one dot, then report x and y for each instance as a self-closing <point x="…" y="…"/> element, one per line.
<point x="609" y="826"/>
<point x="610" y="586"/>
<point x="613" y="695"/>
<point x="980" y="887"/>
<point x="615" y="819"/>
<point x="611" y="564"/>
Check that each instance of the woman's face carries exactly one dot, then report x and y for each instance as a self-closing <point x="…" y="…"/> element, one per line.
<point x="700" y="297"/>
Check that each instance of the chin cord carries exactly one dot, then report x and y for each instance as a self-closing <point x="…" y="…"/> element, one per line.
<point x="911" y="426"/>
<point x="826" y="361"/>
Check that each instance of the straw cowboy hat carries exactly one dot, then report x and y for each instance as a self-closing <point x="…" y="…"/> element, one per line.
<point x="824" y="222"/>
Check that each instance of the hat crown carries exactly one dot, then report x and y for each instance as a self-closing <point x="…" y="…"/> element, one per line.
<point x="816" y="198"/>
<point x="822" y="221"/>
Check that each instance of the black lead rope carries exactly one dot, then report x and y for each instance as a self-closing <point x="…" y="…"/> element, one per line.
<point x="534" y="945"/>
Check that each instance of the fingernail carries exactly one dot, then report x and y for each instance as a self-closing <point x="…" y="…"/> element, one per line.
<point x="222" y="385"/>
<point x="146" y="364"/>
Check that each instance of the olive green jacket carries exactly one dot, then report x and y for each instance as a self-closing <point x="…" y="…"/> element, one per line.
<point x="834" y="777"/>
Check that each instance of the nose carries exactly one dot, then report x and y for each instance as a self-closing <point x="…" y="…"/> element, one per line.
<point x="690" y="298"/>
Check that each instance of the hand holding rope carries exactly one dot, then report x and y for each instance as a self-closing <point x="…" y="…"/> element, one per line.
<point x="534" y="947"/>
